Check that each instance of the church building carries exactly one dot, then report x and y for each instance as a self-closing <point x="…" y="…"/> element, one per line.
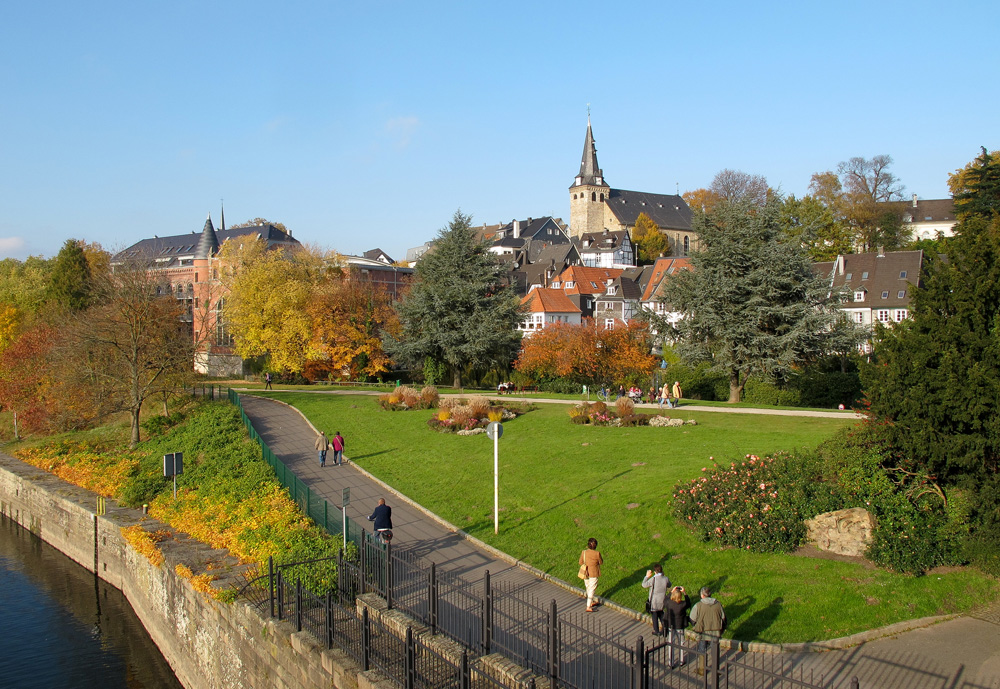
<point x="595" y="207"/>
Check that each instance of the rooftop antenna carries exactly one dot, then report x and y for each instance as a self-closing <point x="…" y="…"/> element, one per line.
<point x="677" y="186"/>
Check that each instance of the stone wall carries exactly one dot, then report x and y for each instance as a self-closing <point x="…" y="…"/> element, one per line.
<point x="208" y="644"/>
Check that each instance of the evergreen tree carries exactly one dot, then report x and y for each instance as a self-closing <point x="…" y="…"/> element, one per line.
<point x="752" y="305"/>
<point x="459" y="310"/>
<point x="934" y="382"/>
<point x="70" y="282"/>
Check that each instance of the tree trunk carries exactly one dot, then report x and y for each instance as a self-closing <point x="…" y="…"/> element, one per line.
<point x="165" y="412"/>
<point x="457" y="379"/>
<point x="735" y="387"/>
<point x="135" y="428"/>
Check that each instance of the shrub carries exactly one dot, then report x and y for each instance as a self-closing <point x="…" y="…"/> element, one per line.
<point x="430" y="395"/>
<point x="562" y="386"/>
<point x="581" y="419"/>
<point x="598" y="408"/>
<point x="624" y="407"/>
<point x="495" y="414"/>
<point x="156" y="425"/>
<point x="479" y="407"/>
<point x="636" y="419"/>
<point x="756" y="503"/>
<point x="461" y="414"/>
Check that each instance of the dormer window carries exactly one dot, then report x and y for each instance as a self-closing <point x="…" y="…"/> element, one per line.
<point x="902" y="294"/>
<point x="612" y="291"/>
<point x="859" y="295"/>
<point x="556" y="283"/>
<point x="849" y="276"/>
<point x="885" y="294"/>
<point x="570" y="284"/>
<point x="902" y="274"/>
<point x="864" y="275"/>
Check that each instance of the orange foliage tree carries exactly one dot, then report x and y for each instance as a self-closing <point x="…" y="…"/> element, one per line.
<point x="588" y="354"/>
<point x="349" y="316"/>
<point x="22" y="370"/>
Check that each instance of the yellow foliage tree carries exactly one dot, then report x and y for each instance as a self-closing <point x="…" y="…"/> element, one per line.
<point x="10" y="325"/>
<point x="268" y="295"/>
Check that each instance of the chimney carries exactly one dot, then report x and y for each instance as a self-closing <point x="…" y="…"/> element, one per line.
<point x="881" y="251"/>
<point x="914" y="200"/>
<point x="517" y="229"/>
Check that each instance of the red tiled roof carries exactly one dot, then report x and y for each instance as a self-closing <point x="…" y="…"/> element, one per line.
<point x="588" y="280"/>
<point x="664" y="267"/>
<point x="549" y="300"/>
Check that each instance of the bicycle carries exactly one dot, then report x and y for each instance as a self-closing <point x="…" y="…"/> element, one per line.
<point x="603" y="395"/>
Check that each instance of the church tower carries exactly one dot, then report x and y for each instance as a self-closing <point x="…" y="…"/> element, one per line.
<point x="588" y="193"/>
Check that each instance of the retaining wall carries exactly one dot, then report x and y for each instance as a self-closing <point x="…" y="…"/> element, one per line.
<point x="208" y="644"/>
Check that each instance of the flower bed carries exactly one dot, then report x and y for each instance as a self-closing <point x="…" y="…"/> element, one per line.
<point x="623" y="414"/>
<point x="405" y="398"/>
<point x="467" y="416"/>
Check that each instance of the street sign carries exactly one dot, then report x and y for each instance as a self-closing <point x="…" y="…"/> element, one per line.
<point x="347" y="496"/>
<point x="173" y="464"/>
<point x="494" y="430"/>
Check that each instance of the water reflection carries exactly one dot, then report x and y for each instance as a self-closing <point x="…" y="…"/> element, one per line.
<point x="60" y="626"/>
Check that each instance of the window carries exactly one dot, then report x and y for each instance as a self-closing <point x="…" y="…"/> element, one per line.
<point x="687" y="245"/>
<point x="593" y="196"/>
<point x="859" y="295"/>
<point x="902" y="274"/>
<point x="556" y="283"/>
<point x="569" y="284"/>
<point x="901" y="294"/>
<point x="900" y="315"/>
<point x="609" y="324"/>
<point x="602" y="198"/>
<point x="849" y="276"/>
<point x="612" y="291"/>
<point x="885" y="294"/>
<point x="883" y="315"/>
<point x="864" y="275"/>
<point x="859" y="317"/>
<point x="222" y="336"/>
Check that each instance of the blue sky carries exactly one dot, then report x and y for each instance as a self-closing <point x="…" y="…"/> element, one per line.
<point x="368" y="124"/>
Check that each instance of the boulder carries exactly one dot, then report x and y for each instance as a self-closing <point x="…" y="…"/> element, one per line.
<point x="845" y="532"/>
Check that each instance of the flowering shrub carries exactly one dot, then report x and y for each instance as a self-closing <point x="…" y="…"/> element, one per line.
<point x="624" y="406"/>
<point x="459" y="415"/>
<point x="430" y="396"/>
<point x="758" y="503"/>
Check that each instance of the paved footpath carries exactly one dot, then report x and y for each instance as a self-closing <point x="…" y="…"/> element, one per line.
<point x="960" y="653"/>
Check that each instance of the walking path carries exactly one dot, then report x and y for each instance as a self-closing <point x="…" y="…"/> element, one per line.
<point x="960" y="653"/>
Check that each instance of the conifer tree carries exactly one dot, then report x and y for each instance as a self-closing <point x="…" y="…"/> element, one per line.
<point x="70" y="282"/>
<point x="934" y="382"/>
<point x="752" y="305"/>
<point x="459" y="310"/>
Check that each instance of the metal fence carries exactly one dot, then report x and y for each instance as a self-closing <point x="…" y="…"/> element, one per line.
<point x="570" y="650"/>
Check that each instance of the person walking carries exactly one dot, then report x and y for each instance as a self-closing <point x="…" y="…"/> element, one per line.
<point x="708" y="620"/>
<point x="658" y="583"/>
<point x="677" y="619"/>
<point x="592" y="560"/>
<point x="678" y="393"/>
<point x="338" y="449"/>
<point x="322" y="445"/>
<point x="665" y="395"/>
<point x="382" y="516"/>
<point x="267" y="381"/>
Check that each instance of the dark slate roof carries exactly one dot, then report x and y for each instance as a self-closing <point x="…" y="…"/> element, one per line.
<point x="590" y="171"/>
<point x="185" y="246"/>
<point x="609" y="240"/>
<point x="668" y="211"/>
<point x="883" y="277"/>
<point x="929" y="210"/>
<point x="208" y="245"/>
<point x="533" y="228"/>
<point x="378" y="255"/>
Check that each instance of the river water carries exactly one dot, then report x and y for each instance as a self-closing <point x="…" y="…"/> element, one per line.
<point x="62" y="628"/>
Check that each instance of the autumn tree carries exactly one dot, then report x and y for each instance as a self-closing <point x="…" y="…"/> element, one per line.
<point x="816" y="227"/>
<point x="703" y="200"/>
<point x="650" y="241"/>
<point x="587" y="354"/>
<point x="734" y="186"/>
<point x="349" y="317"/>
<point x="128" y="347"/>
<point x="460" y="310"/>
<point x="934" y="381"/>
<point x="269" y="291"/>
<point x="751" y="306"/>
<point x="254" y="222"/>
<point x="69" y="285"/>
<point x="23" y="283"/>
<point x="23" y="367"/>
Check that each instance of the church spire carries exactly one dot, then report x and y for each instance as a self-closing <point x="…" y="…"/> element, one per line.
<point x="590" y="171"/>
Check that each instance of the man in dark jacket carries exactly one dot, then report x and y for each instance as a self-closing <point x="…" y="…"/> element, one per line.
<point x="382" y="516"/>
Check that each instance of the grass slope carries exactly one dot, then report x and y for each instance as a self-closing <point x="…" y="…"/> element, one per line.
<point x="561" y="483"/>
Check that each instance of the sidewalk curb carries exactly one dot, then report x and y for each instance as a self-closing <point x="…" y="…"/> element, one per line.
<point x="729" y="644"/>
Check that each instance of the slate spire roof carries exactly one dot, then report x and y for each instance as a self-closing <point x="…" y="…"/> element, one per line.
<point x="208" y="245"/>
<point x="590" y="171"/>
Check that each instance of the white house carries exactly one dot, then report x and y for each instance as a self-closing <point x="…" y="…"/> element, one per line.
<point x="547" y="305"/>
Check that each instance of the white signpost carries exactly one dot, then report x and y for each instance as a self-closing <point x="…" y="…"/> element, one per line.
<point x="493" y="431"/>
<point x="173" y="464"/>
<point x="346" y="501"/>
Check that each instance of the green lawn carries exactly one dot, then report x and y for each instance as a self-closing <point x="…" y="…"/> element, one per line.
<point x="561" y="483"/>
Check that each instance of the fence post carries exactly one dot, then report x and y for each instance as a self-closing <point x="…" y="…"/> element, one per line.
<point x="487" y="613"/>
<point x="270" y="580"/>
<point x="329" y="618"/>
<point x="432" y="598"/>
<point x="298" y="605"/>
<point x="366" y="640"/>
<point x="553" y="644"/>
<point x="388" y="576"/>
<point x="411" y="660"/>
<point x="326" y="509"/>
<point x="362" y="564"/>
<point x="281" y="596"/>
<point x="712" y="674"/>
<point x="466" y="679"/>
<point x="640" y="678"/>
